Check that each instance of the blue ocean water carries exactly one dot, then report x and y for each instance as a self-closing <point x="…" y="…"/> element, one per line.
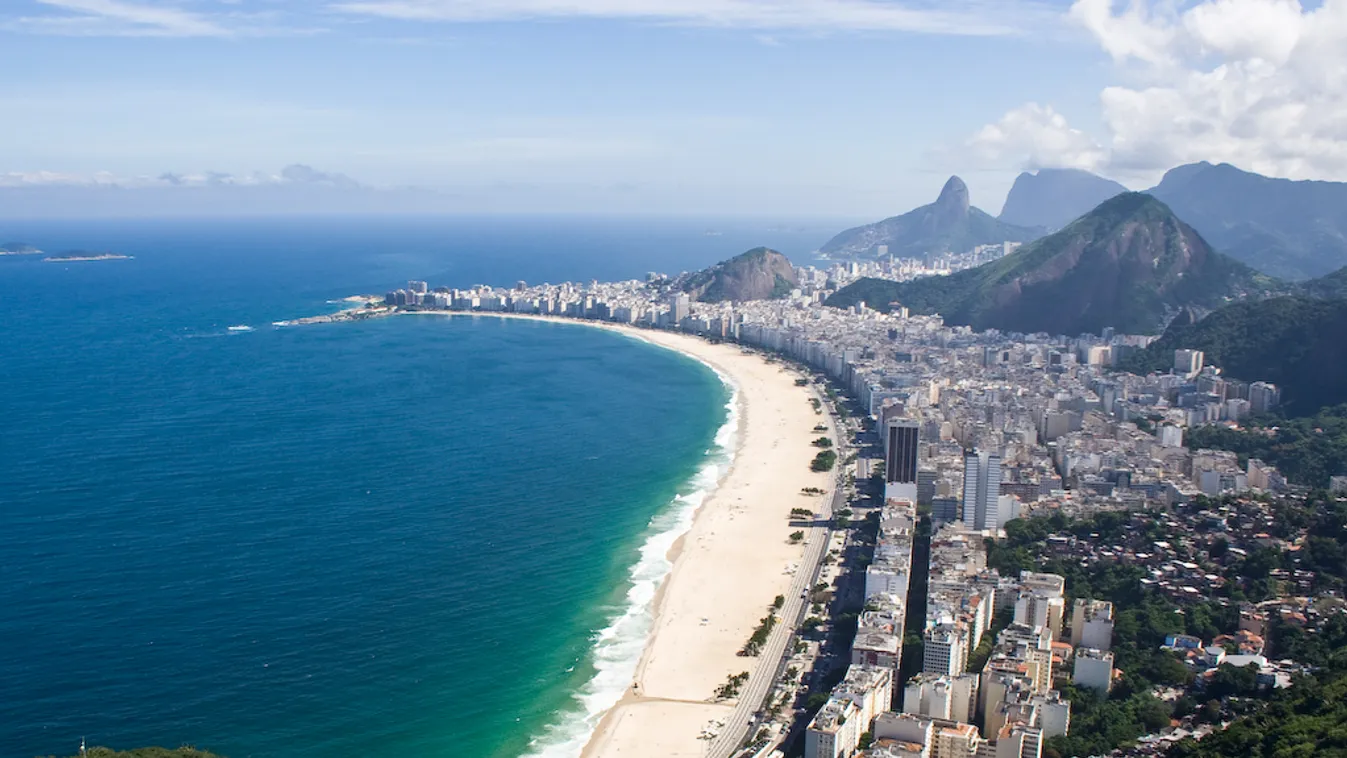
<point x="412" y="536"/>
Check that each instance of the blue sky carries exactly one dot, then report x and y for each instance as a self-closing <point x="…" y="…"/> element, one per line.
<point x="855" y="107"/>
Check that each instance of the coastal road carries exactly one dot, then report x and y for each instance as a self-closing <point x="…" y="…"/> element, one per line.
<point x="773" y="656"/>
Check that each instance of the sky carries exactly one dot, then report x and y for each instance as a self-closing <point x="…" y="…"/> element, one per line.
<point x="859" y="108"/>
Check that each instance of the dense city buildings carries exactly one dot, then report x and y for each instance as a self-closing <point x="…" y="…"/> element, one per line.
<point x="976" y="429"/>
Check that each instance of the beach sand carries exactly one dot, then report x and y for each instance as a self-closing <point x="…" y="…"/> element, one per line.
<point x="728" y="568"/>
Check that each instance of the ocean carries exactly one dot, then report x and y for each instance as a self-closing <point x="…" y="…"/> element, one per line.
<point x="413" y="536"/>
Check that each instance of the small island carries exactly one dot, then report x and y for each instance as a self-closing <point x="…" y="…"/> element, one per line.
<point x="81" y="255"/>
<point x="18" y="248"/>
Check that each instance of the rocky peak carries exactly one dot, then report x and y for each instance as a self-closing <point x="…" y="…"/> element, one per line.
<point x="953" y="198"/>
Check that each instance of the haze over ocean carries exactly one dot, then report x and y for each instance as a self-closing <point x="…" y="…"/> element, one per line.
<point x="392" y="537"/>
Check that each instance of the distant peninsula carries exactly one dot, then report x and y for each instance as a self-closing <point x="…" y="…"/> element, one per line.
<point x="18" y="248"/>
<point x="81" y="255"/>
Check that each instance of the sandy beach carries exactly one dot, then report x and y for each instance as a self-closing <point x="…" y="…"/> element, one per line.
<point x="736" y="558"/>
<point x="727" y="569"/>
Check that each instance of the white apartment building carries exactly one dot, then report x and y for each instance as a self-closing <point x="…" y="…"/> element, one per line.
<point x="1094" y="669"/>
<point x="1092" y="624"/>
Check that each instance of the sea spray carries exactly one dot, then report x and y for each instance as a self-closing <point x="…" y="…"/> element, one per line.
<point x="619" y="646"/>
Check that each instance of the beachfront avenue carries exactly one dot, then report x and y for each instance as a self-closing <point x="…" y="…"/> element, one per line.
<point x="944" y="435"/>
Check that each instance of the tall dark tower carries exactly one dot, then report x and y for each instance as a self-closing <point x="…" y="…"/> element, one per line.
<point x="901" y="437"/>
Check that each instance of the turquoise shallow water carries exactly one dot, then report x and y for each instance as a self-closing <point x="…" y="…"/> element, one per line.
<point x="398" y="537"/>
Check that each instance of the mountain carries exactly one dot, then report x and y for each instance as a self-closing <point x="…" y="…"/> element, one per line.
<point x="950" y="224"/>
<point x="1294" y="342"/>
<point x="1054" y="197"/>
<point x="1290" y="229"/>
<point x="1129" y="264"/>
<point x="1332" y="285"/>
<point x="759" y="274"/>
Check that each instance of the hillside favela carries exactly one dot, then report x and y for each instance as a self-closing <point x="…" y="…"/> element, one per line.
<point x="658" y="380"/>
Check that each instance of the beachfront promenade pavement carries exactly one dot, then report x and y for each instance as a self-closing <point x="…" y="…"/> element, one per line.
<point x="764" y="677"/>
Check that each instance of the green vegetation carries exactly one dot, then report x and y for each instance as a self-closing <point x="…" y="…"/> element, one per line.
<point x="796" y="513"/>
<point x="759" y="636"/>
<point x="1124" y="265"/>
<point x="1142" y="620"/>
<point x="822" y="442"/>
<point x="1309" y="719"/>
<point x="796" y="536"/>
<point x="1294" y="342"/>
<point x="1332" y="285"/>
<point x="820" y="428"/>
<point x="1290" y="229"/>
<point x="777" y="602"/>
<point x="801" y="382"/>
<point x="730" y="689"/>
<point x="1306" y="450"/>
<point x="824" y="461"/>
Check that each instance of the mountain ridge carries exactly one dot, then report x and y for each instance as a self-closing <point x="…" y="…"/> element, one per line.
<point x="1294" y="342"/>
<point x="950" y="224"/>
<point x="1294" y="229"/>
<point x="1051" y="198"/>
<point x="1130" y="264"/>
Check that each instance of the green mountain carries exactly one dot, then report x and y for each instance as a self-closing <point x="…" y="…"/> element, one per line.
<point x="1289" y="229"/>
<point x="949" y="225"/>
<point x="1054" y="197"/>
<point x="1129" y="264"/>
<point x="759" y="274"/>
<point x="1296" y="343"/>
<point x="1332" y="285"/>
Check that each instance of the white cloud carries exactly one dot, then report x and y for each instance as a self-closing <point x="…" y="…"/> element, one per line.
<point x="1135" y="32"/>
<point x="955" y="17"/>
<point x="115" y="16"/>
<point x="1256" y="83"/>
<point x="1035" y="136"/>
<point x="148" y="18"/>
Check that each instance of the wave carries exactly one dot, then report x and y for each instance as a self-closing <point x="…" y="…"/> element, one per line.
<point x="618" y="647"/>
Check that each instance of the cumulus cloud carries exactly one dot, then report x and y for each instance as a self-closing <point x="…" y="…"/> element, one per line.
<point x="1036" y="136"/>
<point x="1256" y="83"/>
<point x="954" y="17"/>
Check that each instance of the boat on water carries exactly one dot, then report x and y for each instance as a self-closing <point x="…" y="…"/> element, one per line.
<point x="240" y="328"/>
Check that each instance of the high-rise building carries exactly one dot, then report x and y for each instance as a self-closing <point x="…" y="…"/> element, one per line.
<point x="680" y="306"/>
<point x="1263" y="397"/>
<point x="943" y="651"/>
<point x="1094" y="669"/>
<point x="900" y="459"/>
<point x="1092" y="624"/>
<point x="418" y="287"/>
<point x="1188" y="362"/>
<point x="1170" y="435"/>
<point x="981" y="490"/>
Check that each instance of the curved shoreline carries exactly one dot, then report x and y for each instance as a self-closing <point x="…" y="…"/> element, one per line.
<point x="725" y="567"/>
